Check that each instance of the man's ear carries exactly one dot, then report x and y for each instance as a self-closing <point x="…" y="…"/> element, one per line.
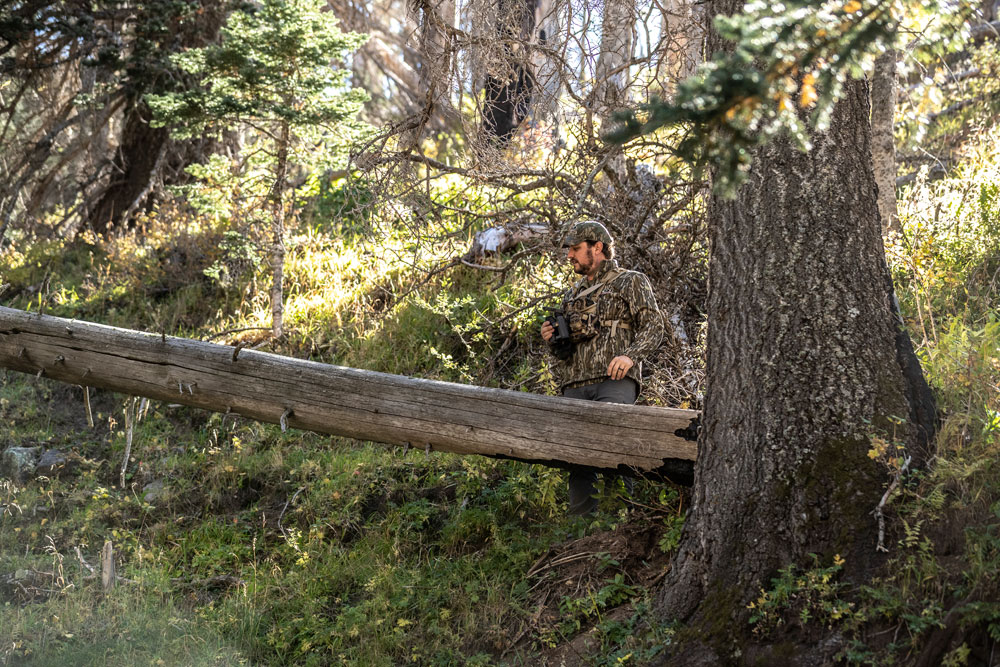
<point x="598" y="247"/>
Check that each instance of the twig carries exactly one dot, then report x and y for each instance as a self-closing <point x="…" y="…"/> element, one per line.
<point x="132" y="415"/>
<point x="86" y="405"/>
<point x="531" y="304"/>
<point x="287" y="503"/>
<point x="482" y="267"/>
<point x="83" y="561"/>
<point x="590" y="182"/>
<point x="885" y="499"/>
<point x="534" y="571"/>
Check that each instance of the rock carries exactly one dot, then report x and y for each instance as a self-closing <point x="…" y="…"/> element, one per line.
<point x="153" y="491"/>
<point x="54" y="463"/>
<point x="17" y="463"/>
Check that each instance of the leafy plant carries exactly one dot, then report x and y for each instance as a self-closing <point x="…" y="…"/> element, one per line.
<point x="812" y="595"/>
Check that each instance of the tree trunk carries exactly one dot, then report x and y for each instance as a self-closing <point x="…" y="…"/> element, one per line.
<point x="551" y="19"/>
<point x="883" y="142"/>
<point x="683" y="38"/>
<point x="134" y="169"/>
<point x="801" y="371"/>
<point x="277" y="254"/>
<point x="509" y="80"/>
<point x="346" y="401"/>
<point x="611" y="77"/>
<point x="144" y="151"/>
<point x="437" y="16"/>
<point x="436" y="48"/>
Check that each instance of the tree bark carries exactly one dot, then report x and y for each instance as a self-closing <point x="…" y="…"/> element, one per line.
<point x="883" y="141"/>
<point x="611" y="76"/>
<point x="349" y="402"/>
<point x="137" y="155"/>
<point x="801" y="371"/>
<point x="436" y="17"/>
<point x="682" y="24"/>
<point x="277" y="254"/>
<point x="144" y="151"/>
<point x="509" y="80"/>
<point x="551" y="20"/>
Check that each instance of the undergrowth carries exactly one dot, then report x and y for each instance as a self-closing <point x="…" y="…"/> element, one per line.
<point x="237" y="543"/>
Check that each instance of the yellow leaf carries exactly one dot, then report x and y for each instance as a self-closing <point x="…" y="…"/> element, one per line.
<point x="852" y="6"/>
<point x="807" y="96"/>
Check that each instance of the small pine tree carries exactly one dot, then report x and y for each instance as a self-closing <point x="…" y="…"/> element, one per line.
<point x="272" y="73"/>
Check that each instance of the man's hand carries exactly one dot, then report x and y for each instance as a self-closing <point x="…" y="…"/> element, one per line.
<point x="547" y="331"/>
<point x="619" y="367"/>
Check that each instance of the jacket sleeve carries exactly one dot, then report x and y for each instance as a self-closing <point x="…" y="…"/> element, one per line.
<point x="646" y="319"/>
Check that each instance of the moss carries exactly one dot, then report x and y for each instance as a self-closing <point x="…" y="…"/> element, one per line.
<point x="716" y="623"/>
<point x="782" y="653"/>
<point x="841" y="488"/>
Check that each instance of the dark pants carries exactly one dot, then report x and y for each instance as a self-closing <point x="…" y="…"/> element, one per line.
<point x="582" y="479"/>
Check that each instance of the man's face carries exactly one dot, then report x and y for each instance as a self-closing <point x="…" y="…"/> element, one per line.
<point x="581" y="256"/>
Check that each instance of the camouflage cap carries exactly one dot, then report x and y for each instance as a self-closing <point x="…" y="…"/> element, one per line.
<point x="588" y="230"/>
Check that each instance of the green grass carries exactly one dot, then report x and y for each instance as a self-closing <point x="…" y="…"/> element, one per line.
<point x="277" y="548"/>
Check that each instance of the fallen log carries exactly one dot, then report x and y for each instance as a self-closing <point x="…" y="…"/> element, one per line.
<point x="360" y="404"/>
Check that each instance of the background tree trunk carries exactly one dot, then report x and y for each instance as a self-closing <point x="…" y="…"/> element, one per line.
<point x="143" y="151"/>
<point x="135" y="166"/>
<point x="801" y="370"/>
<point x="551" y="19"/>
<point x="278" y="232"/>
<point x="434" y="67"/>
<point x="612" y="70"/>
<point x="883" y="143"/>
<point x="509" y="80"/>
<point x="682" y="25"/>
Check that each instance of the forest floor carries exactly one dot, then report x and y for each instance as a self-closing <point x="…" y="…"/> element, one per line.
<point x="575" y="591"/>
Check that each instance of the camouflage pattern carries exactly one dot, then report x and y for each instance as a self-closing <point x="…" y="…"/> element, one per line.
<point x="588" y="230"/>
<point x="627" y="298"/>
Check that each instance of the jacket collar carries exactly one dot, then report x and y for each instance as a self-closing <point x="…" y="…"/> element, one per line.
<point x="603" y="268"/>
<point x="606" y="266"/>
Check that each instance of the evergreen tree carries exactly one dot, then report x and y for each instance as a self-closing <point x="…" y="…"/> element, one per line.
<point x="786" y="67"/>
<point x="272" y="72"/>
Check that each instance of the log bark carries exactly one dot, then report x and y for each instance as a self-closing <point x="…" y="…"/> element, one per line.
<point x="349" y="402"/>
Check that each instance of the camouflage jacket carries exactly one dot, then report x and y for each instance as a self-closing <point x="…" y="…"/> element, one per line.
<point x="630" y="324"/>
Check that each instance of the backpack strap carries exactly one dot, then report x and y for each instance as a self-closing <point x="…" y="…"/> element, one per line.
<point x="600" y="284"/>
<point x="615" y="325"/>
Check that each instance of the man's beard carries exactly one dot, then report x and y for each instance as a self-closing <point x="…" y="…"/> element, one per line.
<point x="584" y="268"/>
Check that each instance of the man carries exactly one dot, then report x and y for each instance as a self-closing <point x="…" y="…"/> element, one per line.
<point x="614" y="324"/>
